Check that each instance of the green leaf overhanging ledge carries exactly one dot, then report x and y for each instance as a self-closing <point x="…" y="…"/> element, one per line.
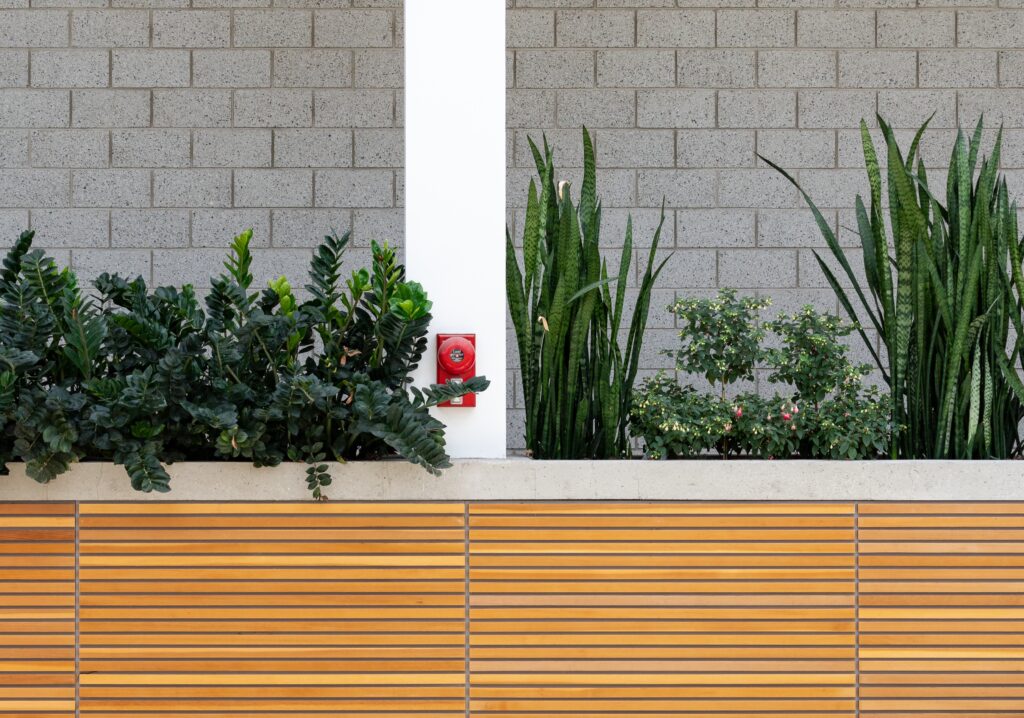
<point x="143" y="378"/>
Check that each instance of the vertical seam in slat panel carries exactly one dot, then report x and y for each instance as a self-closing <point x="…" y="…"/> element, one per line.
<point x="856" y="607"/>
<point x="78" y="603"/>
<point x="465" y="528"/>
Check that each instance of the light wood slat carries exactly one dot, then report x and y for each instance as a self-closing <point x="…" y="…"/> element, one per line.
<point x="731" y="610"/>
<point x="954" y="510"/>
<point x="670" y="561"/>
<point x="255" y="510"/>
<point x="662" y="609"/>
<point x="668" y="521"/>
<point x="647" y="537"/>
<point x="266" y="522"/>
<point x="214" y="599"/>
<point x="681" y="597"/>
<point x="660" y="509"/>
<point x="273" y="610"/>
<point x="37" y="610"/>
<point x="941" y="609"/>
<point x="283" y="714"/>
<point x="717" y="714"/>
<point x="320" y="589"/>
<point x="217" y="639"/>
<point x="278" y="535"/>
<point x="48" y="509"/>
<point x="275" y="692"/>
<point x="276" y="573"/>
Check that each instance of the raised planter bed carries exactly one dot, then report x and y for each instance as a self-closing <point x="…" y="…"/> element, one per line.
<point x="518" y="588"/>
<point x="525" y="480"/>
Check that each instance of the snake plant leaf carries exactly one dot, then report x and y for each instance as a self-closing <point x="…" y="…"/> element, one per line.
<point x="844" y="300"/>
<point x="517" y="300"/>
<point x="829" y="236"/>
<point x="588" y="190"/>
<point x="915" y="143"/>
<point x="539" y="158"/>
<point x="625" y="262"/>
<point x="946" y="284"/>
<point x="974" y="413"/>
<point x="988" y="408"/>
<point x="531" y="237"/>
<point x="574" y="371"/>
<point x="866" y="232"/>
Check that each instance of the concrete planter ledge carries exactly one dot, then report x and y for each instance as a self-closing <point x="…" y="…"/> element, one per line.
<point x="525" y="480"/>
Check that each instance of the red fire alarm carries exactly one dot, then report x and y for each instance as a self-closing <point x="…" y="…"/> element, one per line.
<point x="456" y="363"/>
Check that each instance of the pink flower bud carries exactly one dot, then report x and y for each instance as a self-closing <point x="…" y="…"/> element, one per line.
<point x="739" y="412"/>
<point x="787" y="417"/>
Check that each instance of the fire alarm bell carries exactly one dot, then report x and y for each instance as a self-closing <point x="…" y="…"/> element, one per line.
<point x="456" y="363"/>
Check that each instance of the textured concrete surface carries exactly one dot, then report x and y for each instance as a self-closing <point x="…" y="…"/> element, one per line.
<point x="140" y="135"/>
<point x="522" y="479"/>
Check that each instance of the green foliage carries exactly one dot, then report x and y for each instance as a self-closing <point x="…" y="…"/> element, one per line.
<point x="811" y="357"/>
<point x="145" y="378"/>
<point x="678" y="421"/>
<point x="827" y="415"/>
<point x="942" y="291"/>
<point x="853" y="424"/>
<point x="567" y="312"/>
<point x="721" y="339"/>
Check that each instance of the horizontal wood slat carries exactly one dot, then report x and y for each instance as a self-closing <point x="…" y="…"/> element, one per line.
<point x="941" y="609"/>
<point x="281" y="610"/>
<point x="37" y="610"/>
<point x="370" y="610"/>
<point x="662" y="609"/>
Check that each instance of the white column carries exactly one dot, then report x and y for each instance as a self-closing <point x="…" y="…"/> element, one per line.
<point x="455" y="195"/>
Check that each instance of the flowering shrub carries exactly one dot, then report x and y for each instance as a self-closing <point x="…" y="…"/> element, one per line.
<point x="829" y="413"/>
<point x="811" y="358"/>
<point x="721" y="340"/>
<point x="677" y="420"/>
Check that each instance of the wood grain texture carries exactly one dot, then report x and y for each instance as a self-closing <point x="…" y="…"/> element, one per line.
<point x="662" y="609"/>
<point x="284" y="610"/>
<point x="941" y="609"/>
<point x="37" y="610"/>
<point x="368" y="610"/>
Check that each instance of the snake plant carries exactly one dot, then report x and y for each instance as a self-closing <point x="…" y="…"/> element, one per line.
<point x="568" y="312"/>
<point x="942" y="289"/>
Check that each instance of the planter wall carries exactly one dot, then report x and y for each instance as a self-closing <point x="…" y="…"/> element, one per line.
<point x="629" y="605"/>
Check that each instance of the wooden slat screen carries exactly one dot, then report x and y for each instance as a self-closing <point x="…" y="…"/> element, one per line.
<point x="37" y="610"/>
<point x="277" y="610"/>
<point x="941" y="610"/>
<point x="511" y="610"/>
<point x="734" y="611"/>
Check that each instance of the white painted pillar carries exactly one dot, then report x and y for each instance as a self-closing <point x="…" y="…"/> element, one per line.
<point x="455" y="195"/>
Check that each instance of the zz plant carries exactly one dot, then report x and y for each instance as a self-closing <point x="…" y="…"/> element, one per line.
<point x="942" y="290"/>
<point x="567" y="312"/>
<point x="144" y="378"/>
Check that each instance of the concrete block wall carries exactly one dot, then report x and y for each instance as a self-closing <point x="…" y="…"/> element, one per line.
<point x="683" y="95"/>
<point x="141" y="135"/>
